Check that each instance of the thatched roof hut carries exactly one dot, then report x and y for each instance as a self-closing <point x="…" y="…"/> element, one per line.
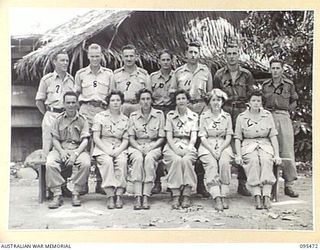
<point x="149" y="31"/>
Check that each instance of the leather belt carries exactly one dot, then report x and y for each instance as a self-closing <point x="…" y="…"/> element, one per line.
<point x="55" y="110"/>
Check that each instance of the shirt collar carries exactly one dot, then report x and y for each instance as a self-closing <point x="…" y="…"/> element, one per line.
<point x="159" y="74"/>
<point x="90" y="71"/>
<point x="188" y="113"/>
<point x="226" y="69"/>
<point x="74" y="118"/>
<point x="152" y="113"/>
<point x="55" y="75"/>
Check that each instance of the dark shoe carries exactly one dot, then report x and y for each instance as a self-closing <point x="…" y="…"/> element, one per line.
<point x="218" y="204"/>
<point x="145" y="203"/>
<point x="75" y="201"/>
<point x="119" y="203"/>
<point x="266" y="202"/>
<point x="224" y="203"/>
<point x="175" y="202"/>
<point x="185" y="202"/>
<point x="99" y="189"/>
<point x="55" y="203"/>
<point x="156" y="188"/>
<point x="201" y="189"/>
<point x="110" y="202"/>
<point x="137" y="205"/>
<point x="290" y="192"/>
<point x="257" y="201"/>
<point x="66" y="192"/>
<point x="242" y="189"/>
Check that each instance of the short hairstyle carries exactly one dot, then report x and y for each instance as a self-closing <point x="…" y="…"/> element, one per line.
<point x="276" y="60"/>
<point x="219" y="93"/>
<point x="142" y="91"/>
<point x="181" y="91"/>
<point x="94" y="46"/>
<point x="256" y="93"/>
<point x="59" y="52"/>
<point x="232" y="45"/>
<point x="115" y="92"/>
<point x="194" y="44"/>
<point x="165" y="51"/>
<point x="70" y="93"/>
<point x="129" y="47"/>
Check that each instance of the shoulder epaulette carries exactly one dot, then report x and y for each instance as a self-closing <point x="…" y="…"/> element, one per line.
<point x="118" y="70"/>
<point x="171" y="112"/>
<point x="47" y="76"/>
<point x="267" y="81"/>
<point x="288" y="81"/>
<point x="154" y="73"/>
<point x="81" y="70"/>
<point x="106" y="69"/>
<point x="143" y="71"/>
<point x="178" y="69"/>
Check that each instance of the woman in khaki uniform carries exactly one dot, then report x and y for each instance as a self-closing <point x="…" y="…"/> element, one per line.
<point x="179" y="153"/>
<point x="257" y="148"/>
<point x="146" y="136"/>
<point x="215" y="151"/>
<point x="110" y="136"/>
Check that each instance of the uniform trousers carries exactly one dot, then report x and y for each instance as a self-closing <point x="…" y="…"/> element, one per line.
<point x="217" y="173"/>
<point x="47" y="124"/>
<point x="143" y="171"/>
<point x="286" y="145"/>
<point x="181" y="177"/>
<point x="258" y="166"/>
<point x="113" y="171"/>
<point x="54" y="167"/>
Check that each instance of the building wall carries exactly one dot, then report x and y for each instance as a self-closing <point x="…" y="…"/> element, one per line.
<point x="23" y="142"/>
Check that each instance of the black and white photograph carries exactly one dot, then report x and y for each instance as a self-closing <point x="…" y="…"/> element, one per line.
<point x="161" y="119"/>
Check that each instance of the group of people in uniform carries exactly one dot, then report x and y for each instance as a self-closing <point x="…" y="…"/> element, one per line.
<point x="183" y="125"/>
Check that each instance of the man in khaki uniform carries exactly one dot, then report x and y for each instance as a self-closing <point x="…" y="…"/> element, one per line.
<point x="70" y="134"/>
<point x="146" y="135"/>
<point x="237" y="82"/>
<point x="195" y="78"/>
<point x="281" y="97"/>
<point x="161" y="84"/>
<point x="129" y="79"/>
<point x="93" y="85"/>
<point x="49" y="98"/>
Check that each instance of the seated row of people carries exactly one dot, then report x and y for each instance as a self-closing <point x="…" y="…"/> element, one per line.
<point x="146" y="136"/>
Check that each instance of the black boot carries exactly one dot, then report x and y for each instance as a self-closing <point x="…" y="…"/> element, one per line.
<point x="66" y="192"/>
<point x="201" y="189"/>
<point x="257" y="200"/>
<point x="156" y="188"/>
<point x="138" y="203"/>
<point x="290" y="192"/>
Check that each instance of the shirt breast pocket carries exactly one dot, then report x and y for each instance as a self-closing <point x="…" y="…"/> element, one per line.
<point x="153" y="132"/>
<point x="54" y="92"/>
<point x="103" y="88"/>
<point x="87" y="88"/>
<point x="286" y="94"/>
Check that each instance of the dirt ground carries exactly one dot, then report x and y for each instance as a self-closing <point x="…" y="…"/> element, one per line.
<point x="287" y="214"/>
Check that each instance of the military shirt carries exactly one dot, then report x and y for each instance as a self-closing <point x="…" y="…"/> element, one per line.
<point x="52" y="88"/>
<point x="130" y="83"/>
<point x="70" y="132"/>
<point x="255" y="133"/>
<point x="150" y="128"/>
<point x="215" y="127"/>
<point x="195" y="83"/>
<point x="93" y="87"/>
<point x="279" y="97"/>
<point x="181" y="126"/>
<point x="237" y="90"/>
<point x="161" y="87"/>
<point x="109" y="127"/>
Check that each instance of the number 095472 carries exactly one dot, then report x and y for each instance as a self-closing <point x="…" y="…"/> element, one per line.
<point x="309" y="246"/>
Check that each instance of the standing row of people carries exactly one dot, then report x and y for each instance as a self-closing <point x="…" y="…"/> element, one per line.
<point x="94" y="83"/>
